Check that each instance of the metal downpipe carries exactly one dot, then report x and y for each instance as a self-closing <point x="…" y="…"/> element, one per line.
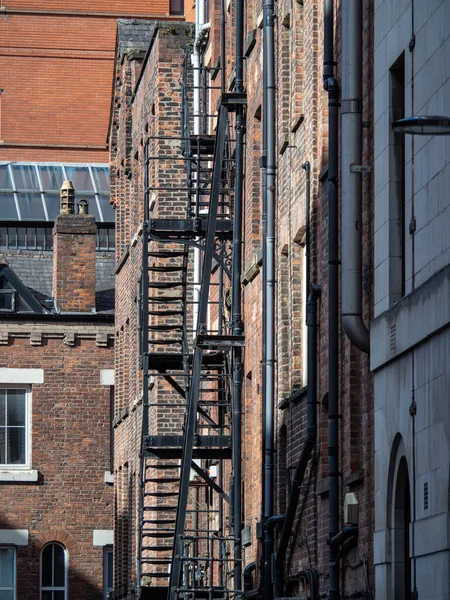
<point x="332" y="87"/>
<point x="351" y="181"/>
<point x="268" y="294"/>
<point x="237" y="322"/>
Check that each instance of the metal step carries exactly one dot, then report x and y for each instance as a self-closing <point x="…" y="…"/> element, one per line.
<point x="162" y="342"/>
<point x="156" y="561"/>
<point x="159" y="533"/>
<point x="165" y="313"/>
<point x="158" y="522"/>
<point x="161" y="508"/>
<point x="166" y="361"/>
<point x="166" y="269"/>
<point x="165" y="327"/>
<point x="159" y="494"/>
<point x="167" y="253"/>
<point x="163" y="466"/>
<point x="164" y="548"/>
<point x="162" y="480"/>
<point x="165" y="285"/>
<point x="164" y="299"/>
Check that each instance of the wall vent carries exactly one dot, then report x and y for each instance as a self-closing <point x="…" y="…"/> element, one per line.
<point x="425" y="495"/>
<point x="393" y="337"/>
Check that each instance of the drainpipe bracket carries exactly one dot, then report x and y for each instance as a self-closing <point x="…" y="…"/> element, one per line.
<point x="361" y="168"/>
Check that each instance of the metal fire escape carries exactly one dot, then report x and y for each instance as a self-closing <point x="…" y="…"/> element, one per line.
<point x="187" y="544"/>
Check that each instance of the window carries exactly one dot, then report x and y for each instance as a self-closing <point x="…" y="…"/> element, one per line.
<point x="7" y="300"/>
<point x="108" y="581"/>
<point x="53" y="572"/>
<point x="30" y="191"/>
<point x="177" y="7"/>
<point x="25" y="237"/>
<point x="14" y="428"/>
<point x="396" y="238"/>
<point x="7" y="573"/>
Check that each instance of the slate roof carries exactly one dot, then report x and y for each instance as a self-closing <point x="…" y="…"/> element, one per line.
<point x="134" y="35"/>
<point x="35" y="270"/>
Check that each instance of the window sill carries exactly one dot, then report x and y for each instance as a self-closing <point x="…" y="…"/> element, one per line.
<point x="12" y="476"/>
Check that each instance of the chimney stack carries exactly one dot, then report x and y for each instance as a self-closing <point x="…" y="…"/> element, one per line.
<point x="74" y="255"/>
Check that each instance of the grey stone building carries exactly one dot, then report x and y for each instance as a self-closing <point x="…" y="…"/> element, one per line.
<point x="410" y="335"/>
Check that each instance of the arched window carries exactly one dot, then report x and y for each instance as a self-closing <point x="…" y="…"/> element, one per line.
<point x="54" y="572"/>
<point x="402" y="519"/>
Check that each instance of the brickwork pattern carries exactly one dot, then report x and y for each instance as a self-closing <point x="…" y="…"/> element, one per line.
<point x="57" y="64"/>
<point x="74" y="263"/>
<point x="149" y="112"/>
<point x="70" y="448"/>
<point x="302" y="136"/>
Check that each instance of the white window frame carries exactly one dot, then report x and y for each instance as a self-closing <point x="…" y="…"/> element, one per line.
<point x="8" y="589"/>
<point x="66" y="572"/>
<point x="27" y="465"/>
<point x="106" y="590"/>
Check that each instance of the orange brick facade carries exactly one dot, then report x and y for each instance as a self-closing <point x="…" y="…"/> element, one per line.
<point x="57" y="64"/>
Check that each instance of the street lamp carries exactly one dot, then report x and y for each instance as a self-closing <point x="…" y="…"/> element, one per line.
<point x="423" y="125"/>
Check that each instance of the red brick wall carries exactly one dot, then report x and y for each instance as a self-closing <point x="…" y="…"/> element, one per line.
<point x="299" y="47"/>
<point x="74" y="263"/>
<point x="151" y="110"/>
<point x="70" y="449"/>
<point x="57" y="75"/>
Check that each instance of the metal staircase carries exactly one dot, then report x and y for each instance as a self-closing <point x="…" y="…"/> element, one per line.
<point x="187" y="544"/>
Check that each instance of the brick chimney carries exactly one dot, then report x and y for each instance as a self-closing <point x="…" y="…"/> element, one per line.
<point x="73" y="255"/>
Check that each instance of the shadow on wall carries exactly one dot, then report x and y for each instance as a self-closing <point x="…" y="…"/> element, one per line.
<point x="28" y="564"/>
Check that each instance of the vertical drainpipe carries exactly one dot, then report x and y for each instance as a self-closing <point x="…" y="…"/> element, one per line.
<point x="237" y="322"/>
<point x="268" y="294"/>
<point x="332" y="87"/>
<point x="351" y="181"/>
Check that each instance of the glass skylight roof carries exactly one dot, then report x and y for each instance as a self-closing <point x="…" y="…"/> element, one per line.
<point x="30" y="191"/>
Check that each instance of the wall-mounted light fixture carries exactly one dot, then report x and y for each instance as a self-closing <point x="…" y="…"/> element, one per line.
<point x="423" y="125"/>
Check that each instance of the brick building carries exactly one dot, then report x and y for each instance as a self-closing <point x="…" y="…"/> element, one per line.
<point x="56" y="64"/>
<point x="56" y="382"/>
<point x="57" y="294"/>
<point x="146" y="104"/>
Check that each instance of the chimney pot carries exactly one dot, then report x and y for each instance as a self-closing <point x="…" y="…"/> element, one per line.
<point x="83" y="207"/>
<point x="67" y="198"/>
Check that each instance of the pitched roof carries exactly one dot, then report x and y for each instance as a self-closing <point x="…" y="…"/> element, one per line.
<point x="10" y="282"/>
<point x="134" y="35"/>
<point x="34" y="270"/>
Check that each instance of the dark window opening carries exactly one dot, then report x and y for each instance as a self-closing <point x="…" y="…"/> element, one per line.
<point x="22" y="237"/>
<point x="177" y="7"/>
<point x="397" y="183"/>
<point x="108" y="580"/>
<point x="53" y="572"/>
<point x="7" y="300"/>
<point x="402" y="519"/>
